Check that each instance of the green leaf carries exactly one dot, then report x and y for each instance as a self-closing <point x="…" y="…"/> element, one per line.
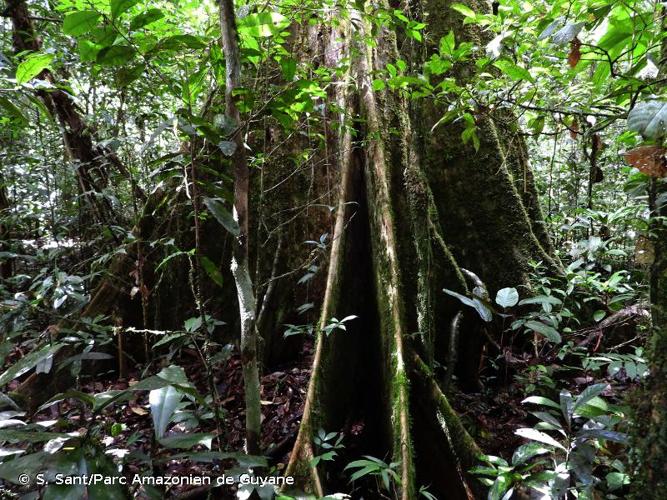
<point x="80" y="22"/>
<point x="212" y="270"/>
<point x="129" y="74"/>
<point x="540" y="437"/>
<point x="527" y="451"/>
<point x="262" y="24"/>
<point x="116" y="55"/>
<point x="32" y="66"/>
<point x="177" y="42"/>
<point x="515" y="72"/>
<point x="29" y="435"/>
<point x="592" y="391"/>
<point x="507" y="297"/>
<point x="163" y="404"/>
<point x="539" y="400"/>
<point x="120" y="6"/>
<point x="463" y="9"/>
<point x="599" y="315"/>
<point x="482" y="309"/>
<point x="649" y="119"/>
<point x="13" y="112"/>
<point x="28" y="362"/>
<point x="222" y="215"/>
<point x="616" y="480"/>
<point x="88" y="50"/>
<point x="605" y="435"/>
<point x="146" y="18"/>
<point x="547" y="331"/>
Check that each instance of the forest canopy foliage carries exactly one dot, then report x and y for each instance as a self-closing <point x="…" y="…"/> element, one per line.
<point x="333" y="249"/>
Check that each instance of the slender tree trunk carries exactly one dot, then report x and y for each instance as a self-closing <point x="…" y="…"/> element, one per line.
<point x="240" y="259"/>
<point x="93" y="161"/>
<point x="5" y="262"/>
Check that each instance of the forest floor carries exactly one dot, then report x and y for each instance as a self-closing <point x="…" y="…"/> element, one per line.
<point x="283" y="394"/>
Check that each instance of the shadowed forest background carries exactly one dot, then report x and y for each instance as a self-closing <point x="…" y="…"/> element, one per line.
<point x="391" y="250"/>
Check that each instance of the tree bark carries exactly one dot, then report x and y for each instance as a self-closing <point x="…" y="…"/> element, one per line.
<point x="5" y="262"/>
<point x="652" y="438"/>
<point x="434" y="206"/>
<point x="240" y="259"/>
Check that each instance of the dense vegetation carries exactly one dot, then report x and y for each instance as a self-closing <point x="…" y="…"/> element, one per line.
<point x="330" y="249"/>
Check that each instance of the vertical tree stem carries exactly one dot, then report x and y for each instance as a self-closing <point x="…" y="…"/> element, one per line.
<point x="240" y="261"/>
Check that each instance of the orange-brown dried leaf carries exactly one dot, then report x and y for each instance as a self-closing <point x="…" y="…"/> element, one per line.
<point x="575" y="53"/>
<point x="649" y="160"/>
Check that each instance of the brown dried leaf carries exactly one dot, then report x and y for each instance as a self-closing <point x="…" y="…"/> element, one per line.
<point x="574" y="129"/>
<point x="575" y="53"/>
<point x="649" y="160"/>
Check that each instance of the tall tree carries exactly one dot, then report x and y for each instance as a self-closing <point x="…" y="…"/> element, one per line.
<point x="240" y="259"/>
<point x="434" y="209"/>
<point x="653" y="437"/>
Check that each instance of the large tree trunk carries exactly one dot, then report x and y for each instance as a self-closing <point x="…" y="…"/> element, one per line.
<point x="433" y="206"/>
<point x="652" y="444"/>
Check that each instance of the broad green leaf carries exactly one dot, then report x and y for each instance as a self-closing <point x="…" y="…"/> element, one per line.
<point x="547" y="331"/>
<point x="32" y="66"/>
<point x="212" y="270"/>
<point x="541" y="299"/>
<point x="222" y="215"/>
<point x="177" y="42"/>
<point x="80" y="22"/>
<point x="649" y="119"/>
<point x="120" y="6"/>
<point x="589" y="393"/>
<point x="127" y="75"/>
<point x="116" y="55"/>
<point x="507" y="297"/>
<point x="567" y="33"/>
<point x="88" y="50"/>
<point x="262" y="24"/>
<point x="28" y="362"/>
<point x="163" y="403"/>
<point x="539" y="400"/>
<point x="146" y="18"/>
<point x="482" y="309"/>
<point x="513" y="71"/>
<point x="540" y="437"/>
<point x="527" y="451"/>
<point x="463" y="10"/>
<point x="605" y="435"/>
<point x="501" y="485"/>
<point x="29" y="435"/>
